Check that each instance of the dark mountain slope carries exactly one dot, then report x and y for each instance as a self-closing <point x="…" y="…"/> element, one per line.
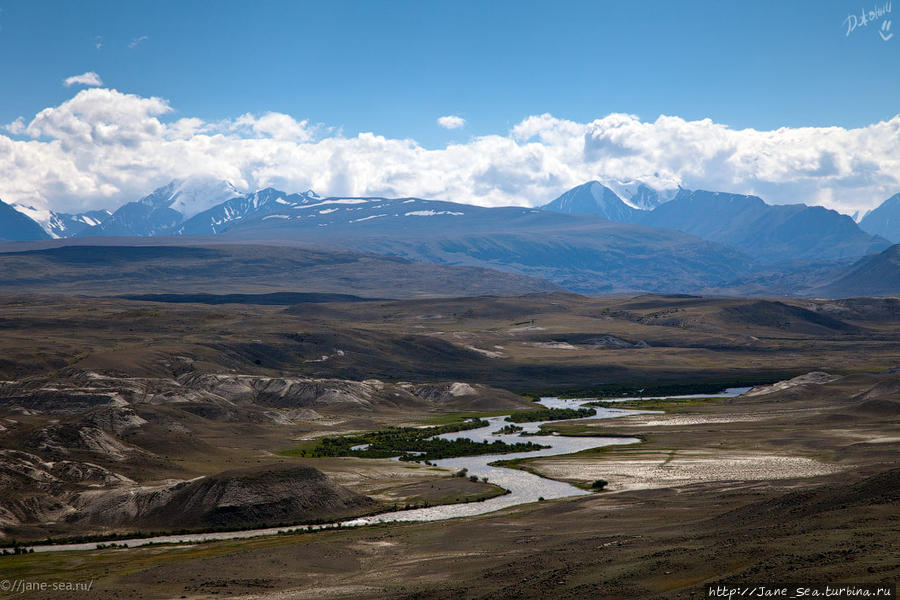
<point x="244" y="269"/>
<point x="876" y="275"/>
<point x="769" y="233"/>
<point x="584" y="253"/>
<point x="884" y="220"/>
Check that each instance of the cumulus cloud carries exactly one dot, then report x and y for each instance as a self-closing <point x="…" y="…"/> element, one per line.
<point x="275" y="125"/>
<point x="17" y="127"/>
<point x="103" y="147"/>
<point x="90" y="79"/>
<point x="138" y="40"/>
<point x="451" y="122"/>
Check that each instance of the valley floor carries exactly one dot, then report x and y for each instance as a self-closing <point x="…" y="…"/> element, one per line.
<point x="799" y="484"/>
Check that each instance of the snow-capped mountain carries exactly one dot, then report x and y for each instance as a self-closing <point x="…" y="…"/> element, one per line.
<point x="639" y="195"/>
<point x="164" y="210"/>
<point x="19" y="227"/>
<point x="594" y="198"/>
<point x="622" y="201"/>
<point x="884" y="220"/>
<point x="194" y="195"/>
<point x="221" y="217"/>
<point x="270" y="209"/>
<point x="62" y="225"/>
<point x="582" y="252"/>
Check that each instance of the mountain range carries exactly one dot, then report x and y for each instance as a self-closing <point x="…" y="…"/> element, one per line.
<point x="583" y="253"/>
<point x="591" y="239"/>
<point x="164" y="210"/>
<point x="60" y="225"/>
<point x="767" y="233"/>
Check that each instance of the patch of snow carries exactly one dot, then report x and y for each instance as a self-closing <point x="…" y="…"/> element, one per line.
<point x="43" y="216"/>
<point x="431" y="213"/>
<point x="337" y="201"/>
<point x="367" y="218"/>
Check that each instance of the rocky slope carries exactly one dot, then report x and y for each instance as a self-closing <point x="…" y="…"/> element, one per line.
<point x="88" y="451"/>
<point x="269" y="495"/>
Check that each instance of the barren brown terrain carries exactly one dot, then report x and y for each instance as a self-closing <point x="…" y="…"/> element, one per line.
<point x="105" y="398"/>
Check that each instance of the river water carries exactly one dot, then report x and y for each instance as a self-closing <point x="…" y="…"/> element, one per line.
<point x="523" y="486"/>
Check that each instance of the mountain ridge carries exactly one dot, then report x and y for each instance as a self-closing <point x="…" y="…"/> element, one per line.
<point x="769" y="233"/>
<point x="884" y="220"/>
<point x="163" y="210"/>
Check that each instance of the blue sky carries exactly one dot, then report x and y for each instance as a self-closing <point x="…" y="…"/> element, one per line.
<point x="394" y="67"/>
<point x="767" y="98"/>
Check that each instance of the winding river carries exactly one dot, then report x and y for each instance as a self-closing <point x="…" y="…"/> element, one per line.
<point x="523" y="487"/>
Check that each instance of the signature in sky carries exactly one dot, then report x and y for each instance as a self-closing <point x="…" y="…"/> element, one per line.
<point x="865" y="17"/>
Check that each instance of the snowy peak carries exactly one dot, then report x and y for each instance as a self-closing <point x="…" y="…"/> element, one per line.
<point x="640" y="195"/>
<point x="192" y="195"/>
<point x="62" y="225"/>
<point x="593" y="198"/>
<point x="17" y="226"/>
<point x="220" y="217"/>
<point x="42" y="216"/>
<point x="162" y="211"/>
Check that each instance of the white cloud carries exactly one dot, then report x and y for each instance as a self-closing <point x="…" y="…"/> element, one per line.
<point x="90" y="79"/>
<point x="451" y="122"/>
<point x="17" y="127"/>
<point x="103" y="147"/>
<point x="138" y="40"/>
<point x="275" y="125"/>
